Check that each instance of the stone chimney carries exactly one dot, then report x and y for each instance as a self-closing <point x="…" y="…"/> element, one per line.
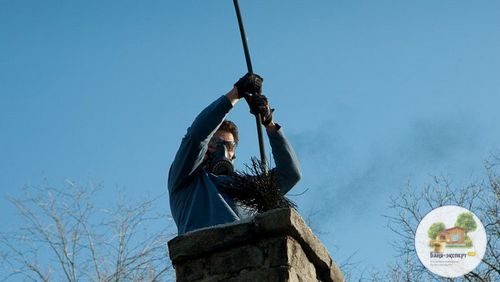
<point x="273" y="246"/>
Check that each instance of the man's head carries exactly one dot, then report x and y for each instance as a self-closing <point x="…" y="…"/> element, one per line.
<point x="221" y="149"/>
<point x="227" y="134"/>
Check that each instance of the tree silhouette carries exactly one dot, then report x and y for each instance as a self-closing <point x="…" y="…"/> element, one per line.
<point x="411" y="205"/>
<point x="64" y="236"/>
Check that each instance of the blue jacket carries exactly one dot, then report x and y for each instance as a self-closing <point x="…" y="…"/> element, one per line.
<point x="195" y="197"/>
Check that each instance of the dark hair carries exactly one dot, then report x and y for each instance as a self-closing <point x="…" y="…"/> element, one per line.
<point x="229" y="126"/>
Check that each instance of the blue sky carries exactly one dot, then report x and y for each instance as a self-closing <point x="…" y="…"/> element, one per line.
<point x="372" y="94"/>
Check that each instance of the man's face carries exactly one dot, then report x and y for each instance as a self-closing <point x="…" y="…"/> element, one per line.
<point x="222" y="136"/>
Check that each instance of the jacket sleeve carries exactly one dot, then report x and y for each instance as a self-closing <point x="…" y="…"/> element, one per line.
<point x="194" y="144"/>
<point x="287" y="168"/>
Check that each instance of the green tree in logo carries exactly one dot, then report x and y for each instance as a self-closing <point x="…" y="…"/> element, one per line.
<point x="435" y="229"/>
<point x="466" y="221"/>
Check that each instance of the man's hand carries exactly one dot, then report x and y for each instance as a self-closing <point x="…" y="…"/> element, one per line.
<point x="249" y="84"/>
<point x="259" y="105"/>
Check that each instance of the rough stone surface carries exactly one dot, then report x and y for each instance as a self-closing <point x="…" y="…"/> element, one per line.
<point x="299" y="262"/>
<point x="236" y="259"/>
<point x="273" y="246"/>
<point x="191" y="271"/>
<point x="276" y="251"/>
<point x="263" y="274"/>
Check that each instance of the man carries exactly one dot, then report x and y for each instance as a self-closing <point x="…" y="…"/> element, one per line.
<point x="204" y="160"/>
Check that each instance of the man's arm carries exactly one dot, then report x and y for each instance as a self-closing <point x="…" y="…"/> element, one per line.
<point x="194" y="144"/>
<point x="287" y="168"/>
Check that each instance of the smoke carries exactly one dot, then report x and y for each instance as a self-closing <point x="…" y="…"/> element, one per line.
<point x="349" y="173"/>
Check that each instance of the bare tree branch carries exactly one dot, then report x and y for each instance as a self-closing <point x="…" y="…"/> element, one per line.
<point x="66" y="238"/>
<point x="409" y="208"/>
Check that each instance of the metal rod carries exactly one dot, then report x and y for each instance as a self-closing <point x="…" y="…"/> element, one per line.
<point x="243" y="36"/>
<point x="258" y="119"/>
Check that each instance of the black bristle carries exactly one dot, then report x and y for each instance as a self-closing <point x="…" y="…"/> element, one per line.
<point x="257" y="190"/>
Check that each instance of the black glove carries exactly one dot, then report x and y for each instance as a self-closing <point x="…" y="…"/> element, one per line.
<point x="259" y="105"/>
<point x="249" y="84"/>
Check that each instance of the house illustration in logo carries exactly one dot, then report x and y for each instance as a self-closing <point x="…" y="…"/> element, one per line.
<point x="452" y="236"/>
